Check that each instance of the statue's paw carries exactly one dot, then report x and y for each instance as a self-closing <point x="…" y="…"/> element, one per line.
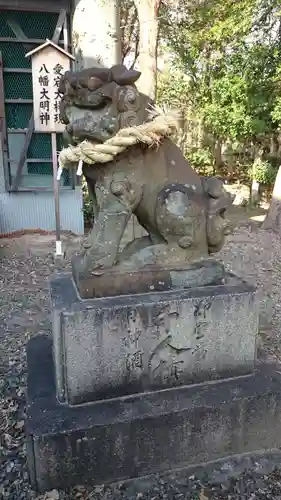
<point x="96" y="265"/>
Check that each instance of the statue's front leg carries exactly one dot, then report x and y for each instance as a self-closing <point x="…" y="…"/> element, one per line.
<point x="105" y="237"/>
<point x="104" y="240"/>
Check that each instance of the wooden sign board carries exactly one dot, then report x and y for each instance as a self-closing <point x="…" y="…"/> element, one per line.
<point x="49" y="63"/>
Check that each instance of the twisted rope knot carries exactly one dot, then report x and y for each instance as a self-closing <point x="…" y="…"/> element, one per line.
<point x="149" y="133"/>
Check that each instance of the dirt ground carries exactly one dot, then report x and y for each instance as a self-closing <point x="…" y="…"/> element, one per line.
<point x="26" y="265"/>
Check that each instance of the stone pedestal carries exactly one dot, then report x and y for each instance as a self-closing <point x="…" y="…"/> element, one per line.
<point x="116" y="346"/>
<point x="146" y="433"/>
<point x="142" y="383"/>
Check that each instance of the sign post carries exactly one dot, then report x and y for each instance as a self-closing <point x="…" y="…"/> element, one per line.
<point x="49" y="63"/>
<point x="56" y="183"/>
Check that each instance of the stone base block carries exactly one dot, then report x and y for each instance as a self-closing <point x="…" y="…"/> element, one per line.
<point x="116" y="281"/>
<point x="145" y="433"/>
<point x="115" y="346"/>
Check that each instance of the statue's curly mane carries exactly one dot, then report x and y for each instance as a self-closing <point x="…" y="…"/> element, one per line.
<point x="105" y="114"/>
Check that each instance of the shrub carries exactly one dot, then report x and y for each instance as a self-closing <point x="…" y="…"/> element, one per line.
<point x="202" y="160"/>
<point x="264" y="172"/>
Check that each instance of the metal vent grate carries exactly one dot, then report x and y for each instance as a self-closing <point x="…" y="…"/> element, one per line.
<point x="18" y="115"/>
<point x="5" y="29"/>
<point x="40" y="168"/>
<point x="18" y="86"/>
<point x="33" y="24"/>
<point x="40" y="146"/>
<point x="13" y="55"/>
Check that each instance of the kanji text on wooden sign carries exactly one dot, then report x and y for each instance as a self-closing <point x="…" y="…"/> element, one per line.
<point x="49" y="63"/>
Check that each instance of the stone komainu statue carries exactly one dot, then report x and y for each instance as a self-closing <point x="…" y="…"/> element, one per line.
<point x="182" y="212"/>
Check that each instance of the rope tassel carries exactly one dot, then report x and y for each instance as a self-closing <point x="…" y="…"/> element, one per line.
<point x="59" y="172"/>
<point x="79" y="169"/>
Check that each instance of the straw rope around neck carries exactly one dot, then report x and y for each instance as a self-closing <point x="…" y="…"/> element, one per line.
<point x="150" y="133"/>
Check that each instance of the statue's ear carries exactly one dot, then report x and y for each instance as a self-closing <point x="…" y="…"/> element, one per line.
<point x="124" y="76"/>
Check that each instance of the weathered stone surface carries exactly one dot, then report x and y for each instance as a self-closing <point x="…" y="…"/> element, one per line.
<point x="146" y="433"/>
<point x="182" y="212"/>
<point x="121" y="345"/>
<point x="265" y="309"/>
<point x="150" y="278"/>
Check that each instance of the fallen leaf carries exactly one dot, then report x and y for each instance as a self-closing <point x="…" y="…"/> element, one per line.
<point x="52" y="495"/>
<point x="19" y="425"/>
<point x="202" y="495"/>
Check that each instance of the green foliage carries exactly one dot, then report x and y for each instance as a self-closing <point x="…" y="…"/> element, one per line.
<point x="173" y="89"/>
<point x="242" y="96"/>
<point x="276" y="112"/>
<point x="264" y="172"/>
<point x="227" y="70"/>
<point x="87" y="205"/>
<point x="202" y="160"/>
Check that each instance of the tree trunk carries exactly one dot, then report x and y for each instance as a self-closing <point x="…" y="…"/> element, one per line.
<point x="96" y="41"/>
<point x="255" y="188"/>
<point x="273" y="145"/>
<point x="217" y="154"/>
<point x="255" y="193"/>
<point x="130" y="32"/>
<point x="273" y="218"/>
<point x="96" y="33"/>
<point x="148" y="38"/>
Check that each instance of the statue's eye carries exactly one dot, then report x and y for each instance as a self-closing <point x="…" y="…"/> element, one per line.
<point x="94" y="83"/>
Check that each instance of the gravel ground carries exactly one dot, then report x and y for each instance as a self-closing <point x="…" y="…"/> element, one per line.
<point x="27" y="263"/>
